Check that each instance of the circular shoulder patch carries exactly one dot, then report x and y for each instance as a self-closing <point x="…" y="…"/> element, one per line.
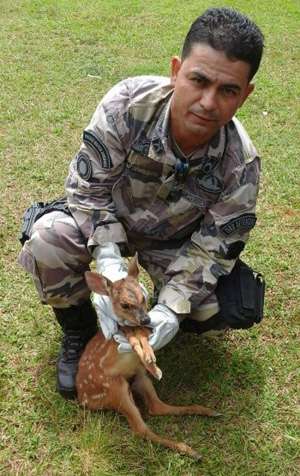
<point x="84" y="166"/>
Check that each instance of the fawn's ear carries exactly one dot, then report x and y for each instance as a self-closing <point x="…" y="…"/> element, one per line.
<point x="133" y="269"/>
<point x="97" y="283"/>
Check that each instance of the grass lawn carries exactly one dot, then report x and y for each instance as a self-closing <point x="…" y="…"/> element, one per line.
<point x="58" y="57"/>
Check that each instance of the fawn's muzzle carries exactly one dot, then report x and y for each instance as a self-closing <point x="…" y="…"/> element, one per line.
<point x="145" y="320"/>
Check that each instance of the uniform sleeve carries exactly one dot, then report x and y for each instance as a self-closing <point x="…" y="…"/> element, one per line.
<point x="213" y="249"/>
<point x="97" y="167"/>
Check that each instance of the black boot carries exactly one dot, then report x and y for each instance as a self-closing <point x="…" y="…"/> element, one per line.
<point x="79" y="324"/>
<point x="215" y="323"/>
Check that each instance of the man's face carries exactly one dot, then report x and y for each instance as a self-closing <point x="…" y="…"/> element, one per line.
<point x="208" y="89"/>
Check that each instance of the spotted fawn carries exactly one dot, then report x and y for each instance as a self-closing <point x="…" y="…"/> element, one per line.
<point x="107" y="378"/>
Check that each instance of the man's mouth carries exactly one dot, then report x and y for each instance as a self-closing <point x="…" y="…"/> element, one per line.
<point x="202" y="117"/>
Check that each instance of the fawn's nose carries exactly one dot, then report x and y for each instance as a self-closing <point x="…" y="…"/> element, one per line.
<point x="145" y="320"/>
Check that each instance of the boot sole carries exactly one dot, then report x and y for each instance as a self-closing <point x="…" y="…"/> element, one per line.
<point x="67" y="394"/>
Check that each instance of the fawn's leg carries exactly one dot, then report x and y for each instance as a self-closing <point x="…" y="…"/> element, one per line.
<point x="122" y="401"/>
<point x="138" y="339"/>
<point x="143" y="386"/>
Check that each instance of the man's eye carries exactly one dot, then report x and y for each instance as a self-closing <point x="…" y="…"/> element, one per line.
<point x="229" y="92"/>
<point x="198" y="80"/>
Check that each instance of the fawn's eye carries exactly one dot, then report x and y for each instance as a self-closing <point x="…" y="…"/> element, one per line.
<point x="125" y="306"/>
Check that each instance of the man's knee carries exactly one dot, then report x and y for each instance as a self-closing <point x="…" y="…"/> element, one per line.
<point x="56" y="240"/>
<point x="206" y="310"/>
<point x="205" y="318"/>
<point x="57" y="258"/>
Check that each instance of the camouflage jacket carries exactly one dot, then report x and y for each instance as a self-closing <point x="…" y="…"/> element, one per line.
<point x="127" y="181"/>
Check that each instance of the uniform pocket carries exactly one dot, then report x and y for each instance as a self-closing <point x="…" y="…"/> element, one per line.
<point x="143" y="167"/>
<point x="142" y="180"/>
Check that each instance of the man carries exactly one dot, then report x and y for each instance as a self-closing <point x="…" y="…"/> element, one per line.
<point x="164" y="170"/>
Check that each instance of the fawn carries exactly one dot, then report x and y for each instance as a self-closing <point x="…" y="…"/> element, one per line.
<point x="106" y="377"/>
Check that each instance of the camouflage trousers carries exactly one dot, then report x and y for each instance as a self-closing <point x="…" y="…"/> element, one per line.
<point x="56" y="255"/>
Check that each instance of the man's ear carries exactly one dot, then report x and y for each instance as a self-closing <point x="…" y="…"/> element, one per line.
<point x="97" y="283"/>
<point x="249" y="90"/>
<point x="175" y="67"/>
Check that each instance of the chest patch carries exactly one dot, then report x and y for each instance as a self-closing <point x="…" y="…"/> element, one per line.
<point x="208" y="165"/>
<point x="210" y="183"/>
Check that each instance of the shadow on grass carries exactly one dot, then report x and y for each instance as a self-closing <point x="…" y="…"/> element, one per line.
<point x="209" y="366"/>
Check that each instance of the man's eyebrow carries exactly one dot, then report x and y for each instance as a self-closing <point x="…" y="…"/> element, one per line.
<point x="231" y="86"/>
<point x="201" y="75"/>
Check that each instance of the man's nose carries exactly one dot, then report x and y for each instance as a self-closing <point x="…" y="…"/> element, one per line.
<point x="208" y="100"/>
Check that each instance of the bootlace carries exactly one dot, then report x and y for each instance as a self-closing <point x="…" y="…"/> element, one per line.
<point x="72" y="346"/>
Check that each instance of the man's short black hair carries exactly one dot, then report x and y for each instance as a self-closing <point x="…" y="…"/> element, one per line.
<point x="227" y="30"/>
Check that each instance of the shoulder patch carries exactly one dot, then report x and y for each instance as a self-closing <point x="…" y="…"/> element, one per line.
<point x="242" y="223"/>
<point x="99" y="147"/>
<point x="84" y="166"/>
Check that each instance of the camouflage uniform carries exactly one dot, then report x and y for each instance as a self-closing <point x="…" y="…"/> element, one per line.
<point x="188" y="218"/>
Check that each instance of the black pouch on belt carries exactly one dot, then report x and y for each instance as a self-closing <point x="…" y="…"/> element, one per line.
<point x="241" y="296"/>
<point x="36" y="211"/>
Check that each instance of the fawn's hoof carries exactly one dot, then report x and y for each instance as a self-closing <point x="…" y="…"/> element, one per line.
<point x="187" y="450"/>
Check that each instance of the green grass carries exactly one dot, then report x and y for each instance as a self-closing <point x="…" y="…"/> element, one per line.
<point x="57" y="60"/>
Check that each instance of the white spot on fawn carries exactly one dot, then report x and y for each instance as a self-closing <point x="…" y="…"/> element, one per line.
<point x="98" y="396"/>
